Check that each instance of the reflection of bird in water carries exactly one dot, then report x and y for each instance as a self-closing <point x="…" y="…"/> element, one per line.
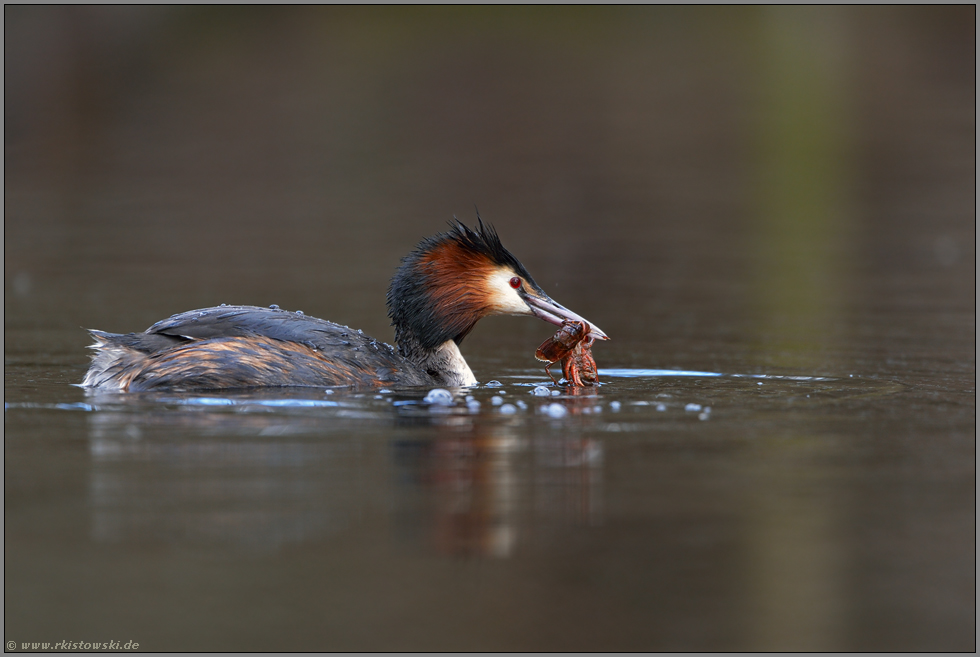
<point x="440" y="291"/>
<point x="485" y="490"/>
<point x="474" y="504"/>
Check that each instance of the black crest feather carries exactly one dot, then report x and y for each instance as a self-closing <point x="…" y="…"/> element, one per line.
<point x="483" y="239"/>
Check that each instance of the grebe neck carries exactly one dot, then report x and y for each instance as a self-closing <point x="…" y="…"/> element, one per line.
<point x="444" y="362"/>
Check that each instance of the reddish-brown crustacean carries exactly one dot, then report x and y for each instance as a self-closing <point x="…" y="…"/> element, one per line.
<point x="579" y="367"/>
<point x="572" y="345"/>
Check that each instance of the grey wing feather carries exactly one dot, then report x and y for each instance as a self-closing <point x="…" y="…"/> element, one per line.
<point x="245" y="321"/>
<point x="350" y="346"/>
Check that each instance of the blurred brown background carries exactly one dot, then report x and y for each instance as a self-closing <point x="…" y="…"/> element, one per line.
<point x="731" y="174"/>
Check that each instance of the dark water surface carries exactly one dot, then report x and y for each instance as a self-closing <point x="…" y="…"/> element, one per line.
<point x="770" y="211"/>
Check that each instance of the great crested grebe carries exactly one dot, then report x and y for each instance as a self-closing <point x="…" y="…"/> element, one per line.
<point x="440" y="291"/>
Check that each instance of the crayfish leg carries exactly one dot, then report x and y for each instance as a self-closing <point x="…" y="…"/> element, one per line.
<point x="547" y="368"/>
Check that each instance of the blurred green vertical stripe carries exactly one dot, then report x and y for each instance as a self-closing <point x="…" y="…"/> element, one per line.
<point x="802" y="146"/>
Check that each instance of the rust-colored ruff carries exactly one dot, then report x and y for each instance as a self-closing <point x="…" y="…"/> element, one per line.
<point x="457" y="282"/>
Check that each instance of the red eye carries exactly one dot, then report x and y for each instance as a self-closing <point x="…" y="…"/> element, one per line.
<point x="515" y="282"/>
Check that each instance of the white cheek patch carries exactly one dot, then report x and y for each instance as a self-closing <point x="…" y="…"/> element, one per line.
<point x="503" y="298"/>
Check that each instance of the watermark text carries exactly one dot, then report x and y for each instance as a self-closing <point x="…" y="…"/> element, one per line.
<point x="72" y="645"/>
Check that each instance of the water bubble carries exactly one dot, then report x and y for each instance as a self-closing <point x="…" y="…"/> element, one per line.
<point x="328" y="391"/>
<point x="223" y="305"/>
<point x="692" y="407"/>
<point x="274" y="306"/>
<point x="439" y="397"/>
<point x="299" y="312"/>
<point x="703" y="416"/>
<point x="385" y="391"/>
<point x="494" y="384"/>
<point x="758" y="383"/>
<point x="521" y="405"/>
<point x="470" y="398"/>
<point x="496" y="400"/>
<point x="555" y="410"/>
<point x="661" y="407"/>
<point x="615" y="406"/>
<point x="379" y="397"/>
<point x="473" y="406"/>
<point x="508" y="409"/>
<point x="555" y="393"/>
<point x="541" y="391"/>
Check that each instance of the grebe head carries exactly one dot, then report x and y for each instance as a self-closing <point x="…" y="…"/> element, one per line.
<point x="451" y="281"/>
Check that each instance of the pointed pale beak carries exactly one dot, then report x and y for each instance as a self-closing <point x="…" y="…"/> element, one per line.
<point x="547" y="309"/>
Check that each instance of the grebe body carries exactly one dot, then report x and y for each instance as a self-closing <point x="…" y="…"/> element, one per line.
<point x="246" y="347"/>
<point x="447" y="284"/>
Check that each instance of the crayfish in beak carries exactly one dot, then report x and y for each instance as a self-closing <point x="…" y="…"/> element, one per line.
<point x="572" y="345"/>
